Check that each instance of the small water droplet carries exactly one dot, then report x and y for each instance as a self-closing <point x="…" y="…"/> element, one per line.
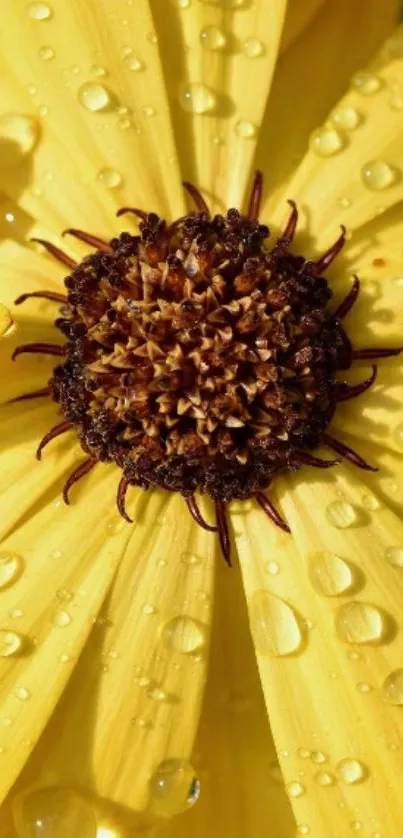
<point x="341" y="514"/>
<point x="184" y="635"/>
<point x="303" y="753"/>
<point x="99" y="72"/>
<point x="39" y="11"/>
<point x="46" y="53"/>
<point x="377" y="175"/>
<point x="43" y="110"/>
<point x="11" y="567"/>
<point x="398" y="435"/>
<point x="65" y="658"/>
<point x="133" y="63"/>
<point x="245" y="129"/>
<point x="370" y="501"/>
<point x="18" y="135"/>
<point x="272" y="568"/>
<point x="61" y="619"/>
<point x="149" y="609"/>
<point x="174" y="788"/>
<point x="343" y="202"/>
<point x="356" y="826"/>
<point x="351" y="771"/>
<point x="274" y="625"/>
<point x="16" y="613"/>
<point x="11" y="643"/>
<point x="392" y="687"/>
<point x="323" y="778"/>
<point x="22" y="693"/>
<point x="152" y="38"/>
<point x="303" y="829"/>
<point x="51" y="812"/>
<point x="330" y="574"/>
<point x="295" y="789"/>
<point x="396" y="100"/>
<point x="190" y="558"/>
<point x="366" y="83"/>
<point x="394" y="555"/>
<point x="148" y="110"/>
<point x="363" y="687"/>
<point x="156" y="693"/>
<point x="32" y="89"/>
<point x="318" y="757"/>
<point x="326" y="141"/>
<point x="182" y="4"/>
<point x="94" y="97"/>
<point x="109" y="178"/>
<point x="360" y="622"/>
<point x="213" y="38"/>
<point x="346" y="118"/>
<point x="253" y="48"/>
<point x="197" y="98"/>
<point x="63" y="595"/>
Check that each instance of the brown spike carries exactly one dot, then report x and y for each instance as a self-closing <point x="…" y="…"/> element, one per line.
<point x="133" y="211"/>
<point x="121" y="497"/>
<point x="373" y="353"/>
<point x="36" y="394"/>
<point x="76" y="475"/>
<point x="223" y="533"/>
<point x="307" y="459"/>
<point x="43" y="295"/>
<point x="272" y="512"/>
<point x="197" y="197"/>
<point x="56" y="252"/>
<point x="88" y="238"/>
<point x="196" y="514"/>
<point x="291" y="225"/>
<point x="347" y="453"/>
<point x="321" y="264"/>
<point x="351" y="391"/>
<point x="255" y="196"/>
<point x="54" y="432"/>
<point x="349" y="300"/>
<point x="40" y="348"/>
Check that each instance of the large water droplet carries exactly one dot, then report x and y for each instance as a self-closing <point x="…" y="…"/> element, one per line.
<point x="245" y="129"/>
<point x="11" y="567"/>
<point x="213" y="38"/>
<point x="330" y="574"/>
<point x="39" y="11"/>
<point x="94" y="97"/>
<point x="366" y="83"/>
<point x="394" y="555"/>
<point x="392" y="687"/>
<point x="11" y="643"/>
<point x="53" y="813"/>
<point x="274" y="625"/>
<point x="347" y="118"/>
<point x="351" y="771"/>
<point x="360" y="622"/>
<point x="18" y="135"/>
<point x="398" y="435"/>
<point x="197" y="98"/>
<point x="341" y="514"/>
<point x="326" y="141"/>
<point x="377" y="175"/>
<point x="184" y="635"/>
<point x="253" y="48"/>
<point x="174" y="788"/>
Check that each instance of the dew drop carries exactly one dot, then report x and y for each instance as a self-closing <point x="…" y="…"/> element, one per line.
<point x="366" y="83"/>
<point x="11" y="567"/>
<point x="303" y="829"/>
<point x="43" y="110"/>
<point x="64" y="595"/>
<point x="46" y="53"/>
<point x="149" y="609"/>
<point x="51" y="812"/>
<point x="213" y="38"/>
<point x="323" y="778"/>
<point x="16" y="613"/>
<point x="99" y="72"/>
<point x="197" y="98"/>
<point x="94" y="97"/>
<point x="184" y="635"/>
<point x="253" y="48"/>
<point x="343" y="202"/>
<point x="295" y="789"/>
<point x="351" y="771"/>
<point x="392" y="687"/>
<point x="190" y="558"/>
<point x="318" y="757"/>
<point x="360" y="622"/>
<point x="245" y="129"/>
<point x="274" y="625"/>
<point x="363" y="687"/>
<point x="341" y="514"/>
<point x="326" y="141"/>
<point x="398" y="435"/>
<point x="394" y="555"/>
<point x="158" y="694"/>
<point x="22" y="693"/>
<point x="370" y="502"/>
<point x="133" y="63"/>
<point x="183" y="4"/>
<point x="11" y="643"/>
<point x="356" y="826"/>
<point x="174" y="788"/>
<point x="346" y="118"/>
<point x="330" y="574"/>
<point x="61" y="619"/>
<point x="377" y="175"/>
<point x="272" y="568"/>
<point x="148" y="110"/>
<point x="39" y="11"/>
<point x="303" y="753"/>
<point x="18" y="135"/>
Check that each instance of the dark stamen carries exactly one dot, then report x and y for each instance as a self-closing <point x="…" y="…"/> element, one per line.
<point x="36" y="394"/>
<point x="76" y="475"/>
<point x="43" y="295"/>
<point x="349" y="300"/>
<point x="196" y="514"/>
<point x="272" y="512"/>
<point x="88" y="238"/>
<point x="255" y="196"/>
<point x="132" y="211"/>
<point x="121" y="497"/>
<point x="57" y="253"/>
<point x="302" y="457"/>
<point x="321" y="264"/>
<point x="347" y="453"/>
<point x="197" y="197"/>
<point x="54" y="432"/>
<point x="292" y="222"/>
<point x="373" y="353"/>
<point x="351" y="391"/>
<point x="40" y="348"/>
<point x="223" y="534"/>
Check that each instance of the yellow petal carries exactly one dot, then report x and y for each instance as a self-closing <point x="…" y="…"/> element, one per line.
<point x="299" y="16"/>
<point x="328" y="645"/>
<point x="6" y="321"/>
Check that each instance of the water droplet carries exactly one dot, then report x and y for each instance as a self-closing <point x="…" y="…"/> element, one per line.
<point x="323" y="778"/>
<point x="394" y="555"/>
<point x="43" y="110"/>
<point x="99" y="72"/>
<point x="363" y="687"/>
<point x="22" y="693"/>
<point x="174" y="788"/>
<point x="15" y="613"/>
<point x="94" y="97"/>
<point x="343" y="202"/>
<point x="158" y="694"/>
<point x="318" y="757"/>
<point x="148" y="110"/>
<point x="351" y="771"/>
<point x="326" y="141"/>
<point x="11" y="643"/>
<point x="213" y="38"/>
<point x="190" y="558"/>
<point x="272" y="568"/>
<point x="183" y="4"/>
<point x="366" y="83"/>
<point x="61" y="619"/>
<point x="46" y="53"/>
<point x="341" y="514"/>
<point x="51" y="812"/>
<point x="398" y="435"/>
<point x="347" y="118"/>
<point x="396" y="100"/>
<point x="303" y="829"/>
<point x="18" y="136"/>
<point x="330" y="574"/>
<point x="360" y="622"/>
<point x="274" y="625"/>
<point x="133" y="63"/>
<point x="253" y="48"/>
<point x="11" y="567"/>
<point x="245" y="129"/>
<point x="370" y="501"/>
<point x="152" y="38"/>
<point x="197" y="98"/>
<point x="392" y="687"/>
<point x="355" y="826"/>
<point x="39" y="11"/>
<point x="184" y="635"/>
<point x="149" y="609"/>
<point x="377" y="175"/>
<point x="295" y="789"/>
<point x="63" y="595"/>
<point x="303" y="753"/>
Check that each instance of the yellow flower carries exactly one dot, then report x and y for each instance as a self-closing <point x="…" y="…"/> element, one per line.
<point x="110" y="706"/>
